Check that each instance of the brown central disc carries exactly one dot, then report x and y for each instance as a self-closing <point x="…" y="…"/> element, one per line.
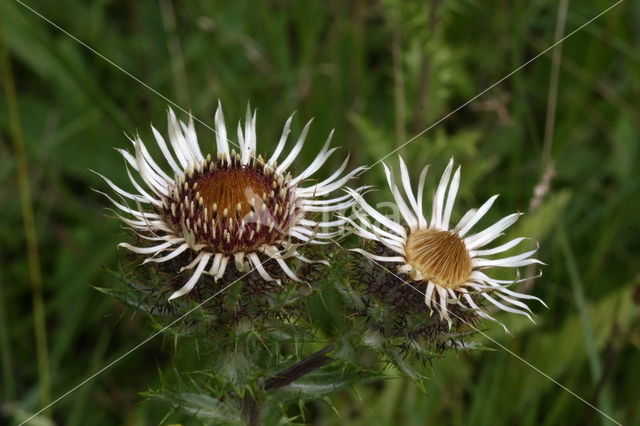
<point x="440" y="256"/>
<point x="232" y="207"/>
<point x="228" y="189"/>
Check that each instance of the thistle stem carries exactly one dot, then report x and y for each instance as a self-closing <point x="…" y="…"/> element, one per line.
<point x="250" y="410"/>
<point x="299" y="369"/>
<point x="251" y="407"/>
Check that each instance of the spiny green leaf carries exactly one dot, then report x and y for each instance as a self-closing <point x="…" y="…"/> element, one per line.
<point x="209" y="410"/>
<point x="323" y="382"/>
<point x="403" y="364"/>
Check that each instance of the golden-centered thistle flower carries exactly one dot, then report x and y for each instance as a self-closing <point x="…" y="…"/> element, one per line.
<point x="233" y="206"/>
<point x="448" y="261"/>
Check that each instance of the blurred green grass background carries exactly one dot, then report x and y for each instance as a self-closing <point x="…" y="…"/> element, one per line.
<point x="379" y="72"/>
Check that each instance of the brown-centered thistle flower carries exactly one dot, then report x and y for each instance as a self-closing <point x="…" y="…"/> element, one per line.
<point x="229" y="207"/>
<point x="447" y="262"/>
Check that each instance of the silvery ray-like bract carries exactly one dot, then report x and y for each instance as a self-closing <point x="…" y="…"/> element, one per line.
<point x="448" y="262"/>
<point x="232" y="207"/>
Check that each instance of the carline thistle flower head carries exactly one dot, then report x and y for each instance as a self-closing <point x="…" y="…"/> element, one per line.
<point x="232" y="207"/>
<point x="447" y="262"/>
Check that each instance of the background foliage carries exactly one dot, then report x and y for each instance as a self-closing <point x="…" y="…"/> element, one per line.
<point x="378" y="72"/>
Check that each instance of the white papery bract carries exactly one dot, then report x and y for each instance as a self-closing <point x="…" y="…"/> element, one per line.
<point x="449" y="262"/>
<point x="229" y="208"/>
